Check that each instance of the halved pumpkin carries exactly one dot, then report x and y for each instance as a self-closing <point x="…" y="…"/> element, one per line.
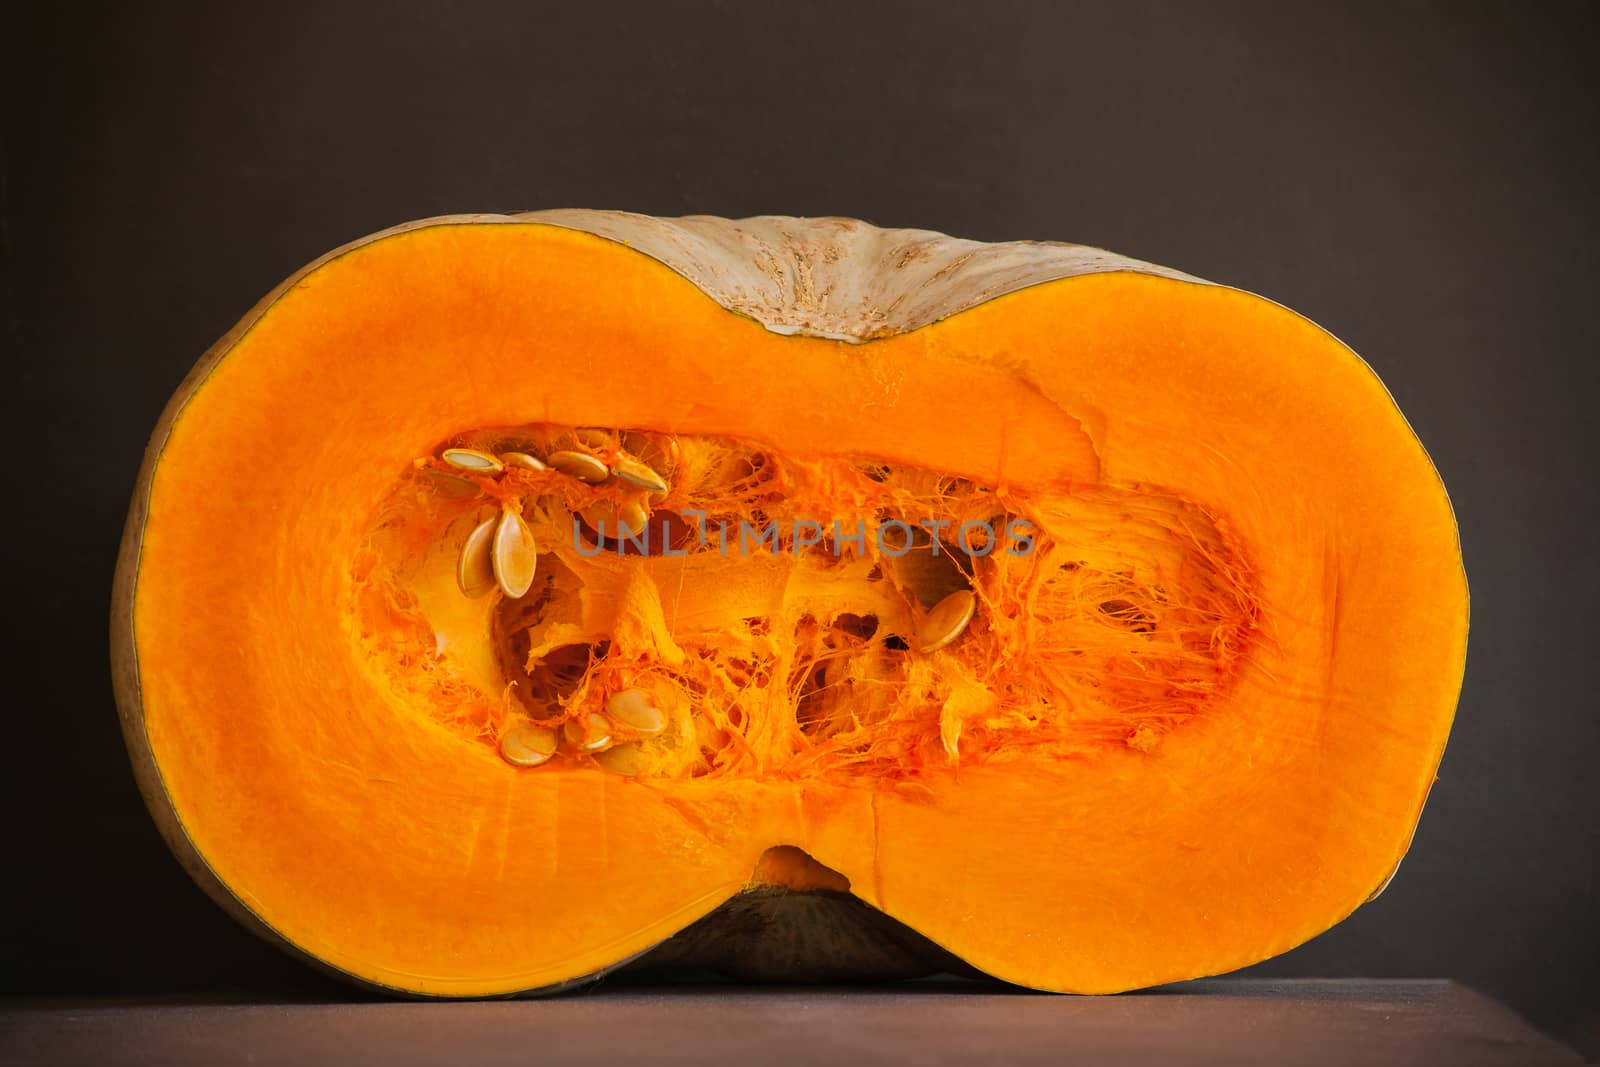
<point x="506" y="594"/>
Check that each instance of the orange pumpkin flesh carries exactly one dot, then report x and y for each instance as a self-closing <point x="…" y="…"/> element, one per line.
<point x="1190" y="729"/>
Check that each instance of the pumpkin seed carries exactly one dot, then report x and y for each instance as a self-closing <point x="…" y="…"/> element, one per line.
<point x="632" y="707"/>
<point x="523" y="460"/>
<point x="527" y="745"/>
<point x="589" y="437"/>
<point x="470" y="459"/>
<point x="878" y="472"/>
<point x="946" y="621"/>
<point x="638" y="474"/>
<point x="616" y="521"/>
<point x="452" y="485"/>
<point x="475" y="566"/>
<point x="708" y="736"/>
<point x="593" y="734"/>
<point x="926" y="569"/>
<point x="515" y="555"/>
<point x="654" y="451"/>
<point x="580" y="465"/>
<point x="628" y="759"/>
<point x="600" y="517"/>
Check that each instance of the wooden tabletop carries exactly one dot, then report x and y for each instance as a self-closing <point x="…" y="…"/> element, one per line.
<point x="1219" y="1021"/>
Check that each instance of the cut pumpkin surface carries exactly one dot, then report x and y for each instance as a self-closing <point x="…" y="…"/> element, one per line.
<point x="506" y="594"/>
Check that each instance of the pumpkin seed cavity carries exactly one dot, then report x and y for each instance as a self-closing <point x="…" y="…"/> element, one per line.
<point x="1090" y="643"/>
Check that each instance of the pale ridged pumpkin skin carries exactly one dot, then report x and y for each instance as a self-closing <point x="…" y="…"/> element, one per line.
<point x="324" y="797"/>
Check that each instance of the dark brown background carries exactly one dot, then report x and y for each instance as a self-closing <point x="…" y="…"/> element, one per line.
<point x="1418" y="178"/>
